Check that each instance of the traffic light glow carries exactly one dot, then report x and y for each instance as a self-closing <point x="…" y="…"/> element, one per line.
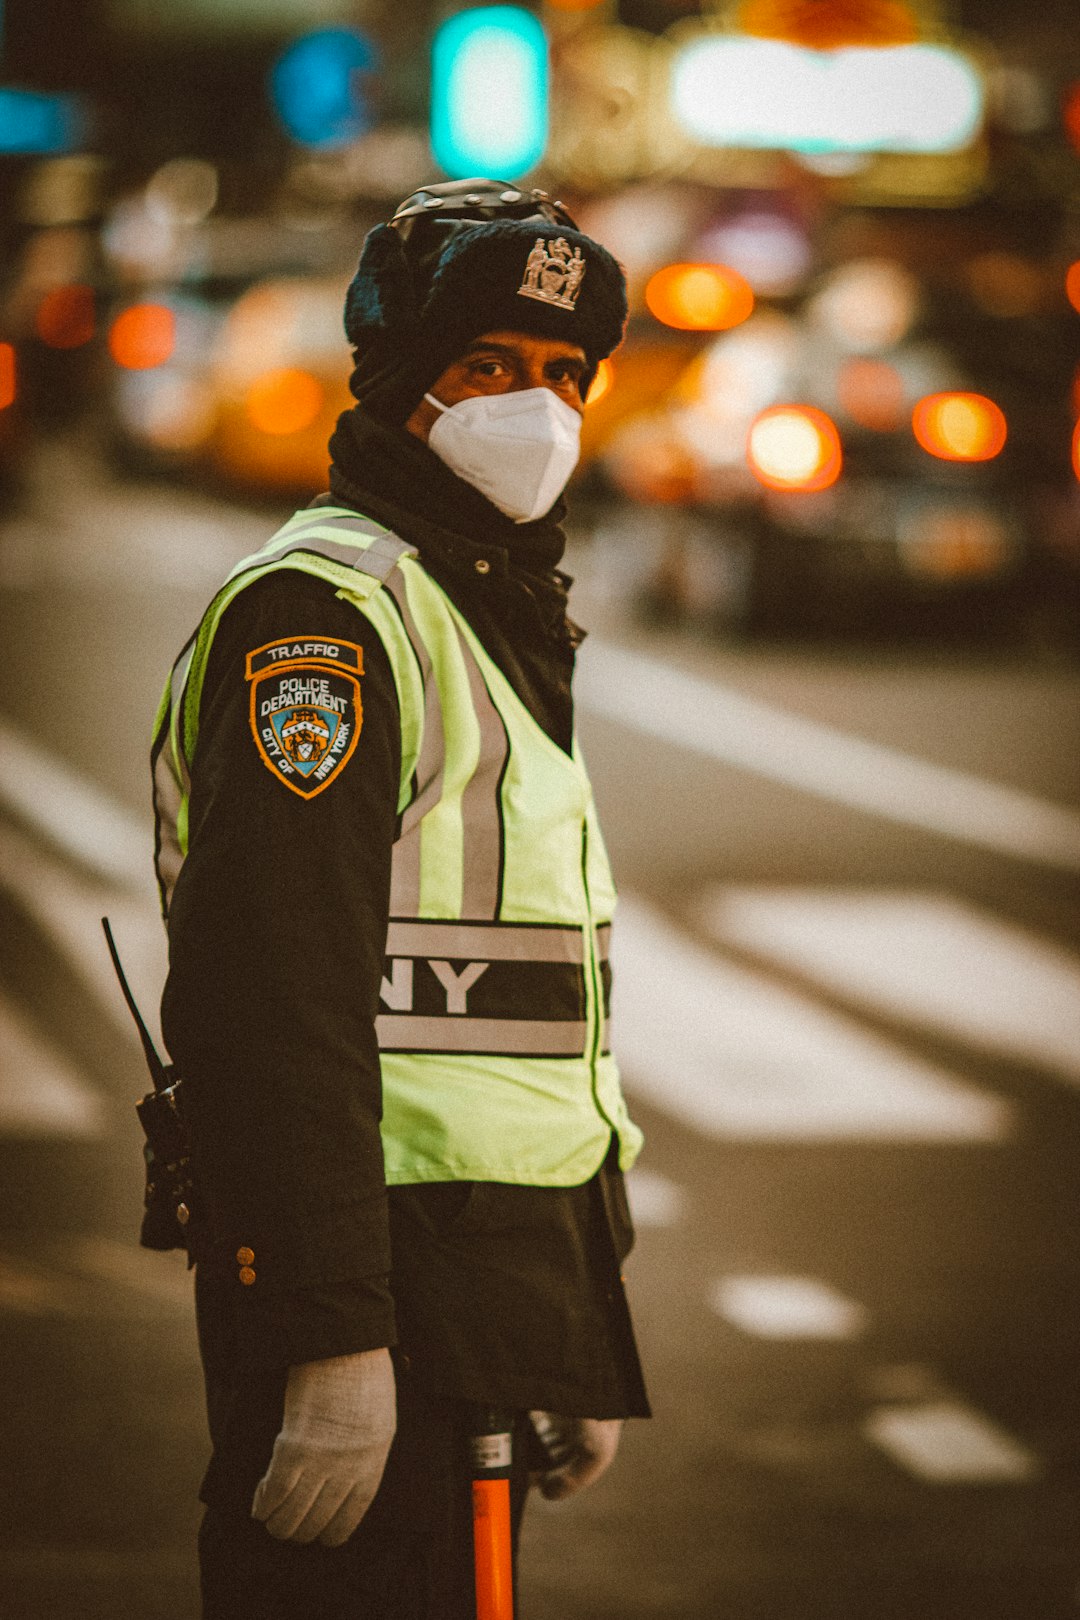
<point x="489" y="93"/>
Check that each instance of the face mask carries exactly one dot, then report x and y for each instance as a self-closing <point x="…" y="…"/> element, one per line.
<point x="518" y="449"/>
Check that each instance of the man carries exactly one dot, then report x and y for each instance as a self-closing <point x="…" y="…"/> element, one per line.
<point x="388" y="907"/>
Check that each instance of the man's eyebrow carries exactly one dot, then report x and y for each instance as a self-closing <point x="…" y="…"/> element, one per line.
<point x="490" y="348"/>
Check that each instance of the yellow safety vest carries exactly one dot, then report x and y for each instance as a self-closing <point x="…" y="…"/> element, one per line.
<point x="493" y="1022"/>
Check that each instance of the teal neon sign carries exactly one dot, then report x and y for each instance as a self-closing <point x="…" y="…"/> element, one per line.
<point x="489" y="93"/>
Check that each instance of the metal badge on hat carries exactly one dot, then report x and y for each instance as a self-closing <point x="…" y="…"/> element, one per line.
<point x="553" y="273"/>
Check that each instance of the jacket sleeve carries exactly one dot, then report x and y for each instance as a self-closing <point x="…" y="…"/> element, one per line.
<point x="277" y="931"/>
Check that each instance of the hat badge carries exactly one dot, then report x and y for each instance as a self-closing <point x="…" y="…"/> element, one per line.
<point x="553" y="273"/>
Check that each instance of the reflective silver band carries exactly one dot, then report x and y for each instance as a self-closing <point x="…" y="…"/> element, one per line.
<point x="379" y="559"/>
<point x="485" y="942"/>
<point x="480" y="809"/>
<point x="523" y="1037"/>
<point x="405" y="866"/>
<point x="167" y="802"/>
<point x="176" y="709"/>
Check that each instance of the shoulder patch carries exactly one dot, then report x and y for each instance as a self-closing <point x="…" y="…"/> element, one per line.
<point x="306" y="712"/>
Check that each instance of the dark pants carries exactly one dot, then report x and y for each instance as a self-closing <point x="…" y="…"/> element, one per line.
<point x="411" y="1557"/>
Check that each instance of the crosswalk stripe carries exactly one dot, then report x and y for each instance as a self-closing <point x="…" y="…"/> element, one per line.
<point x="69" y="910"/>
<point x="705" y="718"/>
<point x="947" y="1442"/>
<point x="91" y="1276"/>
<point x="655" y="1201"/>
<point x="40" y="1093"/>
<point x="75" y="814"/>
<point x="31" y="1291"/>
<point x="160" y="1277"/>
<point x="924" y="958"/>
<point x="787" y="1308"/>
<point x="737" y="1057"/>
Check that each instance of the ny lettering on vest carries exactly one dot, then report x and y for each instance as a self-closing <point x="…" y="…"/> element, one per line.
<point x="397" y="990"/>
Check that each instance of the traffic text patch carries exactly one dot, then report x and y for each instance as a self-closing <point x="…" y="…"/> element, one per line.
<point x="305" y="708"/>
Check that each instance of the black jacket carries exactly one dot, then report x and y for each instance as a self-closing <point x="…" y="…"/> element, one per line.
<point x="277" y="929"/>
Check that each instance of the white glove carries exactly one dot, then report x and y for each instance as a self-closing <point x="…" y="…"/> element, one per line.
<point x="579" y="1449"/>
<point x="329" y="1457"/>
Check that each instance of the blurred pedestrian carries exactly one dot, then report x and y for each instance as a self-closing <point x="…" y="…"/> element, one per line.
<point x="388" y="905"/>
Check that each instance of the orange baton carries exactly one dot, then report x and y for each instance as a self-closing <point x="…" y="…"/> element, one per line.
<point x="492" y="1451"/>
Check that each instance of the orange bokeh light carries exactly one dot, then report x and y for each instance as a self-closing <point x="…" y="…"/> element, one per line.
<point x="794" y="447"/>
<point x="960" y="427"/>
<point x="1070" y="113"/>
<point x="1072" y="285"/>
<point x="573" y="5"/>
<point x="65" y="317"/>
<point x="602" y="383"/>
<point x="143" y="336"/>
<point x="826" y="25"/>
<point x="285" y="401"/>
<point x="872" y="394"/>
<point x="7" y="376"/>
<point x="699" y="297"/>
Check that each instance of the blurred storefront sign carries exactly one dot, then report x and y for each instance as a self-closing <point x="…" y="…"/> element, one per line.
<point x="229" y="16"/>
<point x="732" y="91"/>
<point x="611" y="116"/>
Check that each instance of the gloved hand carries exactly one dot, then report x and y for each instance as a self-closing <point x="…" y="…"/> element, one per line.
<point x="328" y="1459"/>
<point x="579" y="1450"/>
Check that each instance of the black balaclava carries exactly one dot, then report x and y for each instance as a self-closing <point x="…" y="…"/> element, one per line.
<point x="464" y="258"/>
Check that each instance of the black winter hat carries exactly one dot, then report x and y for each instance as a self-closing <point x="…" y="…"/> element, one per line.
<point x="431" y="281"/>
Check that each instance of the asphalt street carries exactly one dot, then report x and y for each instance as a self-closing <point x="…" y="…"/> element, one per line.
<point x="848" y="1012"/>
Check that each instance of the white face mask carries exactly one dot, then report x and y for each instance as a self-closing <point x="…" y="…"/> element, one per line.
<point x="518" y="449"/>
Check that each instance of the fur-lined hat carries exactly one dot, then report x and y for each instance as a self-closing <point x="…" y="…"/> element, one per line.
<point x="465" y="258"/>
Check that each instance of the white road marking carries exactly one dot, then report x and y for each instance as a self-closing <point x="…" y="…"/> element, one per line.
<point x="69" y="909"/>
<point x="947" y="1442"/>
<point x="81" y="819"/>
<point x="27" y="1290"/>
<point x="925" y="958"/>
<point x="40" y="1093"/>
<point x="655" y="1201"/>
<point x="706" y="718"/>
<point x="160" y="1277"/>
<point x="787" y="1308"/>
<point x="123" y="537"/>
<point x="93" y="1276"/>
<point x="739" y="1058"/>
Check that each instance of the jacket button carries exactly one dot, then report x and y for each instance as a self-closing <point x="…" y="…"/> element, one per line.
<point x="245" y="1256"/>
<point x="482" y="566"/>
<point x="247" y="1276"/>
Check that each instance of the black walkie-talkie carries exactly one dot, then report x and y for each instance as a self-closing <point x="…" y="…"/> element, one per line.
<point x="171" y="1210"/>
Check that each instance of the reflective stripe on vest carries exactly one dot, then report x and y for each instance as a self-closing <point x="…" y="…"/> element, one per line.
<point x="492" y="1024"/>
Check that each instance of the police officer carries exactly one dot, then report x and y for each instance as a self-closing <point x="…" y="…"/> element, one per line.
<point x="389" y="908"/>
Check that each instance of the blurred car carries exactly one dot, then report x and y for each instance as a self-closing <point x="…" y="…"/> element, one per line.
<point x="835" y="466"/>
<point x="250" y="388"/>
